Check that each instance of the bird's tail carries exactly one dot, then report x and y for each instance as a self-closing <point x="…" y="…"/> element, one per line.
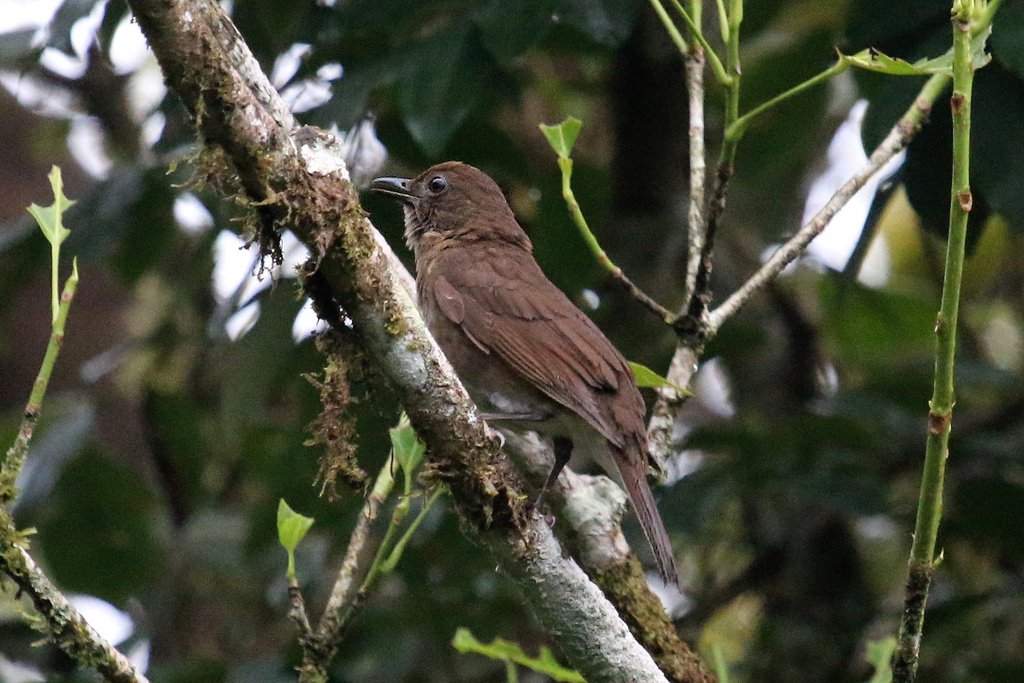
<point x="634" y="477"/>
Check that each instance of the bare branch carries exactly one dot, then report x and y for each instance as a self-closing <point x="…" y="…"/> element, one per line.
<point x="698" y="169"/>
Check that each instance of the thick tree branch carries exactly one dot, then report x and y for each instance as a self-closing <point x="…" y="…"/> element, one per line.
<point x="293" y="176"/>
<point x="591" y="509"/>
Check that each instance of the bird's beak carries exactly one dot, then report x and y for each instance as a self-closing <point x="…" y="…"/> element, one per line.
<point x="398" y="187"/>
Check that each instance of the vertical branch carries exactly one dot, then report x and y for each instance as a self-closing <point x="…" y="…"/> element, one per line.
<point x="695" y="106"/>
<point x="691" y="326"/>
<point x="684" y="361"/>
<point x="940" y="413"/>
<point x="320" y="646"/>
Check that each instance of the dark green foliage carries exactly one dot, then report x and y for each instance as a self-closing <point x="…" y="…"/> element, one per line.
<point x="100" y="516"/>
<point x="920" y="29"/>
<point x="159" y="474"/>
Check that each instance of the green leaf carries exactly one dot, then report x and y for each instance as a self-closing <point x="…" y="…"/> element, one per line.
<point x="50" y="218"/>
<point x="873" y="60"/>
<point x="102" y="529"/>
<point x="879" y="655"/>
<point x="442" y="81"/>
<point x="291" y="528"/>
<point x="510" y="29"/>
<point x="506" y="651"/>
<point x="562" y="136"/>
<point x="51" y="222"/>
<point x="17" y="46"/>
<point x="408" y="448"/>
<point x="645" y="377"/>
<point x="879" y="62"/>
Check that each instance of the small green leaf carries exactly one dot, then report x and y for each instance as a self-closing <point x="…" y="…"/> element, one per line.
<point x="291" y="528"/>
<point x="562" y="136"/>
<point x="49" y="217"/>
<point x="408" y="448"/>
<point x="873" y="60"/>
<point x="645" y="377"/>
<point x="506" y="651"/>
<point x="51" y="222"/>
<point x="879" y="655"/>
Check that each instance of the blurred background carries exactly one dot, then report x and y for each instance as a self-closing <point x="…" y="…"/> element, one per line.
<point x="178" y="411"/>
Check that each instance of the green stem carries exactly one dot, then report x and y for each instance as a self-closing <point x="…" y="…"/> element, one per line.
<point x="723" y="75"/>
<point x="19" y="449"/>
<point x="696" y="11"/>
<point x="940" y="414"/>
<point x="723" y="20"/>
<point x="565" y="164"/>
<point x="727" y="155"/>
<point x="735" y="131"/>
<point x="54" y="276"/>
<point x="396" y="552"/>
<point x="732" y="59"/>
<point x="670" y="28"/>
<point x="382" y="488"/>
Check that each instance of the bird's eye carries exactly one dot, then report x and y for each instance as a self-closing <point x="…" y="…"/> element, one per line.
<point x="437" y="184"/>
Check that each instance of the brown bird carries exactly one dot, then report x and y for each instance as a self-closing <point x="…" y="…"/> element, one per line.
<point x="525" y="353"/>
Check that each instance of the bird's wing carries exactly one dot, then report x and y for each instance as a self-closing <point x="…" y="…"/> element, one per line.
<point x="507" y="307"/>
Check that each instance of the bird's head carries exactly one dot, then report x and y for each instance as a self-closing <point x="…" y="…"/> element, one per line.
<point x="453" y="200"/>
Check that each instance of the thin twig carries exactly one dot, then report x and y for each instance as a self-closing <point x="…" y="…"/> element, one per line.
<point x="19" y="449"/>
<point x="297" y="613"/>
<point x="64" y="623"/>
<point x="895" y="142"/>
<point x="692" y="327"/>
<point x="59" y="618"/>
<point x="684" y="361"/>
<point x="565" y="164"/>
<point x="722" y="73"/>
<point x="698" y="168"/>
<point x="320" y="646"/>
<point x="670" y="28"/>
<point x="738" y="127"/>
